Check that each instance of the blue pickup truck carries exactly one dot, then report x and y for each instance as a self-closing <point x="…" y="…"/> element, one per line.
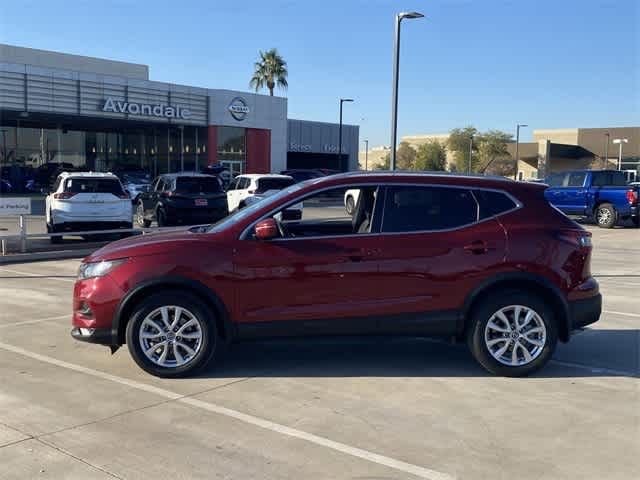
<point x="603" y="195"/>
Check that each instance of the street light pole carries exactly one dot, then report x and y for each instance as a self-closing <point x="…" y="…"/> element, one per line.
<point x="619" y="142"/>
<point x="515" y="173"/>
<point x="470" y="154"/>
<point x="342" y="100"/>
<point x="605" y="162"/>
<point x="394" y="91"/>
<point x="366" y="155"/>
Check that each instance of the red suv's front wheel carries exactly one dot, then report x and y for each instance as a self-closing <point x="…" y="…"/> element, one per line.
<point x="171" y="334"/>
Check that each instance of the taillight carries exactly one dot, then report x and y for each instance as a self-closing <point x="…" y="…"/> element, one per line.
<point x="124" y="196"/>
<point x="251" y="192"/>
<point x="632" y="197"/>
<point x="63" y="195"/>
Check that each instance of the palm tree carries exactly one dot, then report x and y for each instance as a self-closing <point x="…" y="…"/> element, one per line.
<point x="270" y="70"/>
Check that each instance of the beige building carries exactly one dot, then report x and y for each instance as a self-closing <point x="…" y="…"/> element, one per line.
<point x="373" y="158"/>
<point x="555" y="150"/>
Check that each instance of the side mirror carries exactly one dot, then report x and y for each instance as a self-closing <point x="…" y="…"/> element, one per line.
<point x="266" y="229"/>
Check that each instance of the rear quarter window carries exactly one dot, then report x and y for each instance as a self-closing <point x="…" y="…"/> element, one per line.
<point x="492" y="203"/>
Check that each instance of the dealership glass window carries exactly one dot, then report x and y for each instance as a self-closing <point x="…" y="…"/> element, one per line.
<point x="232" y="148"/>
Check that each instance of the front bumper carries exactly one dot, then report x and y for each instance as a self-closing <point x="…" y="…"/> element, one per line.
<point x="585" y="311"/>
<point x="101" y="336"/>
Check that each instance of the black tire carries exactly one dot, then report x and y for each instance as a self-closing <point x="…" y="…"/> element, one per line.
<point x="606" y="216"/>
<point x="161" y="217"/>
<point x="209" y="340"/>
<point x="482" y="314"/>
<point x="140" y="220"/>
<point x="51" y="229"/>
<point x="350" y="205"/>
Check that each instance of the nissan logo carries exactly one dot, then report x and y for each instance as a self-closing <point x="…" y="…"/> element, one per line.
<point x="238" y="108"/>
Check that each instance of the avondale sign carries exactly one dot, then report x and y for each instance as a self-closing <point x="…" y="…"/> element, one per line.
<point x="158" y="110"/>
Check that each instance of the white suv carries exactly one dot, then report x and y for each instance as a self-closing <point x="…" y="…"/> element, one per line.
<point x="248" y="188"/>
<point x="85" y="201"/>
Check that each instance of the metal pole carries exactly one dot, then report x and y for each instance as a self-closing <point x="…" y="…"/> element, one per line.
<point x="606" y="151"/>
<point x="366" y="154"/>
<point x="23" y="234"/>
<point x="340" y="138"/>
<point x="620" y="156"/>
<point x="394" y="93"/>
<point x="515" y="172"/>
<point x="470" y="154"/>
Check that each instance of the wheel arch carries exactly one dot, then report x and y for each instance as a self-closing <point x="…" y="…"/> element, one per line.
<point x="528" y="282"/>
<point x="224" y="324"/>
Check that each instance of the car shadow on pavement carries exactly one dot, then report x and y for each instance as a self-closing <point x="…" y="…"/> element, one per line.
<point x="597" y="353"/>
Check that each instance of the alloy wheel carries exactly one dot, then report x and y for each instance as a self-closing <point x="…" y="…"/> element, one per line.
<point x="604" y="216"/>
<point x="170" y="336"/>
<point x="515" y="335"/>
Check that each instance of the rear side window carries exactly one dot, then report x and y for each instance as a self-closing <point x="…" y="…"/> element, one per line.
<point x="265" y="184"/>
<point x="493" y="203"/>
<point x="198" y="185"/>
<point x="576" y="179"/>
<point x="410" y="209"/>
<point x="609" y="179"/>
<point x="93" y="185"/>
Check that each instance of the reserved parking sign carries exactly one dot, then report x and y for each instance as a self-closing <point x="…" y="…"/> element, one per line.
<point x="10" y="206"/>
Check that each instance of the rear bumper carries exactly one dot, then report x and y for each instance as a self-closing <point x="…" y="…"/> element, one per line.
<point x="585" y="311"/>
<point x="91" y="225"/>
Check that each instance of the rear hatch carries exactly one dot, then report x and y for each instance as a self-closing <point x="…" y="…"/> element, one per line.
<point x="198" y="193"/>
<point x="94" y="197"/>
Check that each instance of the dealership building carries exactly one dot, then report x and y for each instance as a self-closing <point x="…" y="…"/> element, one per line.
<point x="105" y="115"/>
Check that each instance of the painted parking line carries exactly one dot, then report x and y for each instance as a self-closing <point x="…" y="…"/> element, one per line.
<point x="592" y="369"/>
<point x="40" y="320"/>
<point x="626" y="314"/>
<point x="393" y="463"/>
<point x="36" y="275"/>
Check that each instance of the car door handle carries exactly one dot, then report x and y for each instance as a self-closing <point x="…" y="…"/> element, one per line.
<point x="477" y="247"/>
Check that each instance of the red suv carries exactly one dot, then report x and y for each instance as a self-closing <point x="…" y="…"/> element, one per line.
<point x="486" y="260"/>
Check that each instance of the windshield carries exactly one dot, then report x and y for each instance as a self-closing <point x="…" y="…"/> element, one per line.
<point x="250" y="210"/>
<point x="198" y="185"/>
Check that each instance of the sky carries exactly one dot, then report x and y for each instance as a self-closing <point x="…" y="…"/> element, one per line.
<point x="486" y="63"/>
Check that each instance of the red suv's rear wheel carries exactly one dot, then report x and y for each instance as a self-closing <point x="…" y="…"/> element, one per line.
<point x="513" y="333"/>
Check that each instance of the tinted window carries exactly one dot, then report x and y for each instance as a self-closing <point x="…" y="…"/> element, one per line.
<point x="493" y="203"/>
<point x="409" y="209"/>
<point x="555" y="180"/>
<point x="93" y="185"/>
<point x="576" y="179"/>
<point x="604" y="179"/>
<point x="198" y="185"/>
<point x="265" y="184"/>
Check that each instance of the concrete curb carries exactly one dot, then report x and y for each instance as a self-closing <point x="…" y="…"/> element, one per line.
<point x="43" y="256"/>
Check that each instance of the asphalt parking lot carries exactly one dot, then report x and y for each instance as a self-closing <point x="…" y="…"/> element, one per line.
<point x="363" y="408"/>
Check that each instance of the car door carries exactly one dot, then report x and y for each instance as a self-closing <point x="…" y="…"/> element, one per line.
<point x="434" y="249"/>
<point x="324" y="282"/>
<point x="574" y="193"/>
<point x="246" y="189"/>
<point x="233" y="195"/>
<point x="555" y="194"/>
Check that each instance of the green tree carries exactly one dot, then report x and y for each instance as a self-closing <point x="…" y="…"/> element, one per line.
<point x="459" y="143"/>
<point x="386" y="162"/>
<point x="431" y="156"/>
<point x="405" y="157"/>
<point x="494" y="156"/>
<point x="270" y="70"/>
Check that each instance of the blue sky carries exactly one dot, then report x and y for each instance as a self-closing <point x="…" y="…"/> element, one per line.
<point x="487" y="63"/>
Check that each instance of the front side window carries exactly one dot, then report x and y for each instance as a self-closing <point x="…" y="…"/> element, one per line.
<point x="273" y="183"/>
<point x="555" y="180"/>
<point x="576" y="179"/>
<point x="416" y="208"/>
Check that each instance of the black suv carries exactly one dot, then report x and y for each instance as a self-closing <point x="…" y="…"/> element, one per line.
<point x="182" y="198"/>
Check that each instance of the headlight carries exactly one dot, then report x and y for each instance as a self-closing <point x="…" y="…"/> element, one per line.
<point x="98" y="269"/>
